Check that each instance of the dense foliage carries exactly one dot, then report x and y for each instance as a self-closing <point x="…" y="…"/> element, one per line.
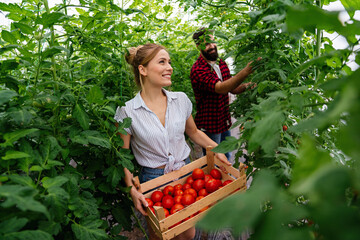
<point x="63" y="74"/>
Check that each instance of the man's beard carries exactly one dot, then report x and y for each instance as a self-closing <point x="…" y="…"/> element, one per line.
<point x="210" y="56"/>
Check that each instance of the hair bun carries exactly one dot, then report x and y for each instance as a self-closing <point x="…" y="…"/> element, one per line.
<point x="130" y="55"/>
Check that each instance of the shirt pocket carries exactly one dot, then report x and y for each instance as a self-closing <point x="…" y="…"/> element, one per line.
<point x="178" y="129"/>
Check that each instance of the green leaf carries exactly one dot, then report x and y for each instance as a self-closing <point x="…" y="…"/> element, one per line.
<point x="53" y="182"/>
<point x="310" y="160"/>
<point x="351" y="6"/>
<point x="95" y="95"/>
<point x="22" y="180"/>
<point x="51" y="51"/>
<point x="22" y="198"/>
<point x="57" y="202"/>
<point x="166" y="8"/>
<point x="94" y="137"/>
<point x="89" y="230"/>
<point x="20" y="116"/>
<point x="267" y="133"/>
<point x="81" y="116"/>
<point x="303" y="17"/>
<point x="8" y="65"/>
<point x="6" y="96"/>
<point x="49" y="149"/>
<point x="10" y="138"/>
<point x="7" y="48"/>
<point x="29" y="234"/>
<point x="13" y="224"/>
<point x="125" y="158"/>
<point x="228" y="145"/>
<point x="243" y="211"/>
<point x="221" y="35"/>
<point x="309" y="63"/>
<point x="8" y="37"/>
<point x="24" y="27"/>
<point x="114" y="175"/>
<point x="84" y="205"/>
<point x="50" y="227"/>
<point x="49" y="19"/>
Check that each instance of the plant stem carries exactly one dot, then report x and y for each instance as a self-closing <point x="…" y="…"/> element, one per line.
<point x="318" y="43"/>
<point x="46" y="4"/>
<point x="139" y="224"/>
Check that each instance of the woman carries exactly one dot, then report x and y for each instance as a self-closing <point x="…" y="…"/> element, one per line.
<point x="159" y="120"/>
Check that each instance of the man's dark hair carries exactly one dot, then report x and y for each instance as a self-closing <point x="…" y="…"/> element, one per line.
<point x="199" y="35"/>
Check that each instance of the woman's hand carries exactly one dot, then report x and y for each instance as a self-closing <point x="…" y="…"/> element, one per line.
<point x="224" y="160"/>
<point x="139" y="201"/>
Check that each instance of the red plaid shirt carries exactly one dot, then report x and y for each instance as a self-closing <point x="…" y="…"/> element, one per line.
<point x="212" y="108"/>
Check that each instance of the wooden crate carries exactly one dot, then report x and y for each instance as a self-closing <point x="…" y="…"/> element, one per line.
<point x="163" y="226"/>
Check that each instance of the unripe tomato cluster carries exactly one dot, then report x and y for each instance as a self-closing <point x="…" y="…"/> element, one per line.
<point x="197" y="186"/>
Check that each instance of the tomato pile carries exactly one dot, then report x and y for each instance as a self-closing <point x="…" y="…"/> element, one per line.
<point x="197" y="186"/>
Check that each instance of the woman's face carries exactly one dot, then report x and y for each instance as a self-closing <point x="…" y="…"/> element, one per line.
<point x="158" y="71"/>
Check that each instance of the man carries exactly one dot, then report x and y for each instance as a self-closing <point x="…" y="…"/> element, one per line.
<point x="212" y="82"/>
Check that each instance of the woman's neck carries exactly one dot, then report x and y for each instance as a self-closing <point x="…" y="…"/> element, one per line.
<point x="152" y="94"/>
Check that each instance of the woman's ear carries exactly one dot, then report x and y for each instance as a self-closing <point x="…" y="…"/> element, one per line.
<point x="142" y="70"/>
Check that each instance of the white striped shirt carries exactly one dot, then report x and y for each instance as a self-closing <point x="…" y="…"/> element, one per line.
<point x="152" y="144"/>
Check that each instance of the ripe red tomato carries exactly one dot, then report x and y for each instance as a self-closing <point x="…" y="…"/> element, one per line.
<point x="198" y="184"/>
<point x="187" y="199"/>
<point x="285" y="128"/>
<point x="178" y="187"/>
<point x="150" y="202"/>
<point x="215" y="173"/>
<point x="167" y="213"/>
<point x="198" y="198"/>
<point x="168" y="190"/>
<point x="190" y="180"/>
<point x="178" y="192"/>
<point x="219" y="182"/>
<point x="227" y="182"/>
<point x="191" y="191"/>
<point x="152" y="209"/>
<point x="198" y="174"/>
<point x="203" y="192"/>
<point x="186" y="186"/>
<point x="211" y="186"/>
<point x="207" y="177"/>
<point x="167" y="201"/>
<point x="204" y="209"/>
<point x="156" y="196"/>
<point x="158" y="204"/>
<point x="176" y="207"/>
<point x="177" y="199"/>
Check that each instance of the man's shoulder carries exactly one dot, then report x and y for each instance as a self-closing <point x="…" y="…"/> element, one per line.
<point x="200" y="64"/>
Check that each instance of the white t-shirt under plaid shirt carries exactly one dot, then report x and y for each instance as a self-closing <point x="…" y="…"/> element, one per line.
<point x="152" y="144"/>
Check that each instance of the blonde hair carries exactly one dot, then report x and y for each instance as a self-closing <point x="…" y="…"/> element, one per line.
<point x="141" y="55"/>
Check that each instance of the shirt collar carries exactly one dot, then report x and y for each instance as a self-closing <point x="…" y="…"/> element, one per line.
<point x="202" y="60"/>
<point x="139" y="102"/>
